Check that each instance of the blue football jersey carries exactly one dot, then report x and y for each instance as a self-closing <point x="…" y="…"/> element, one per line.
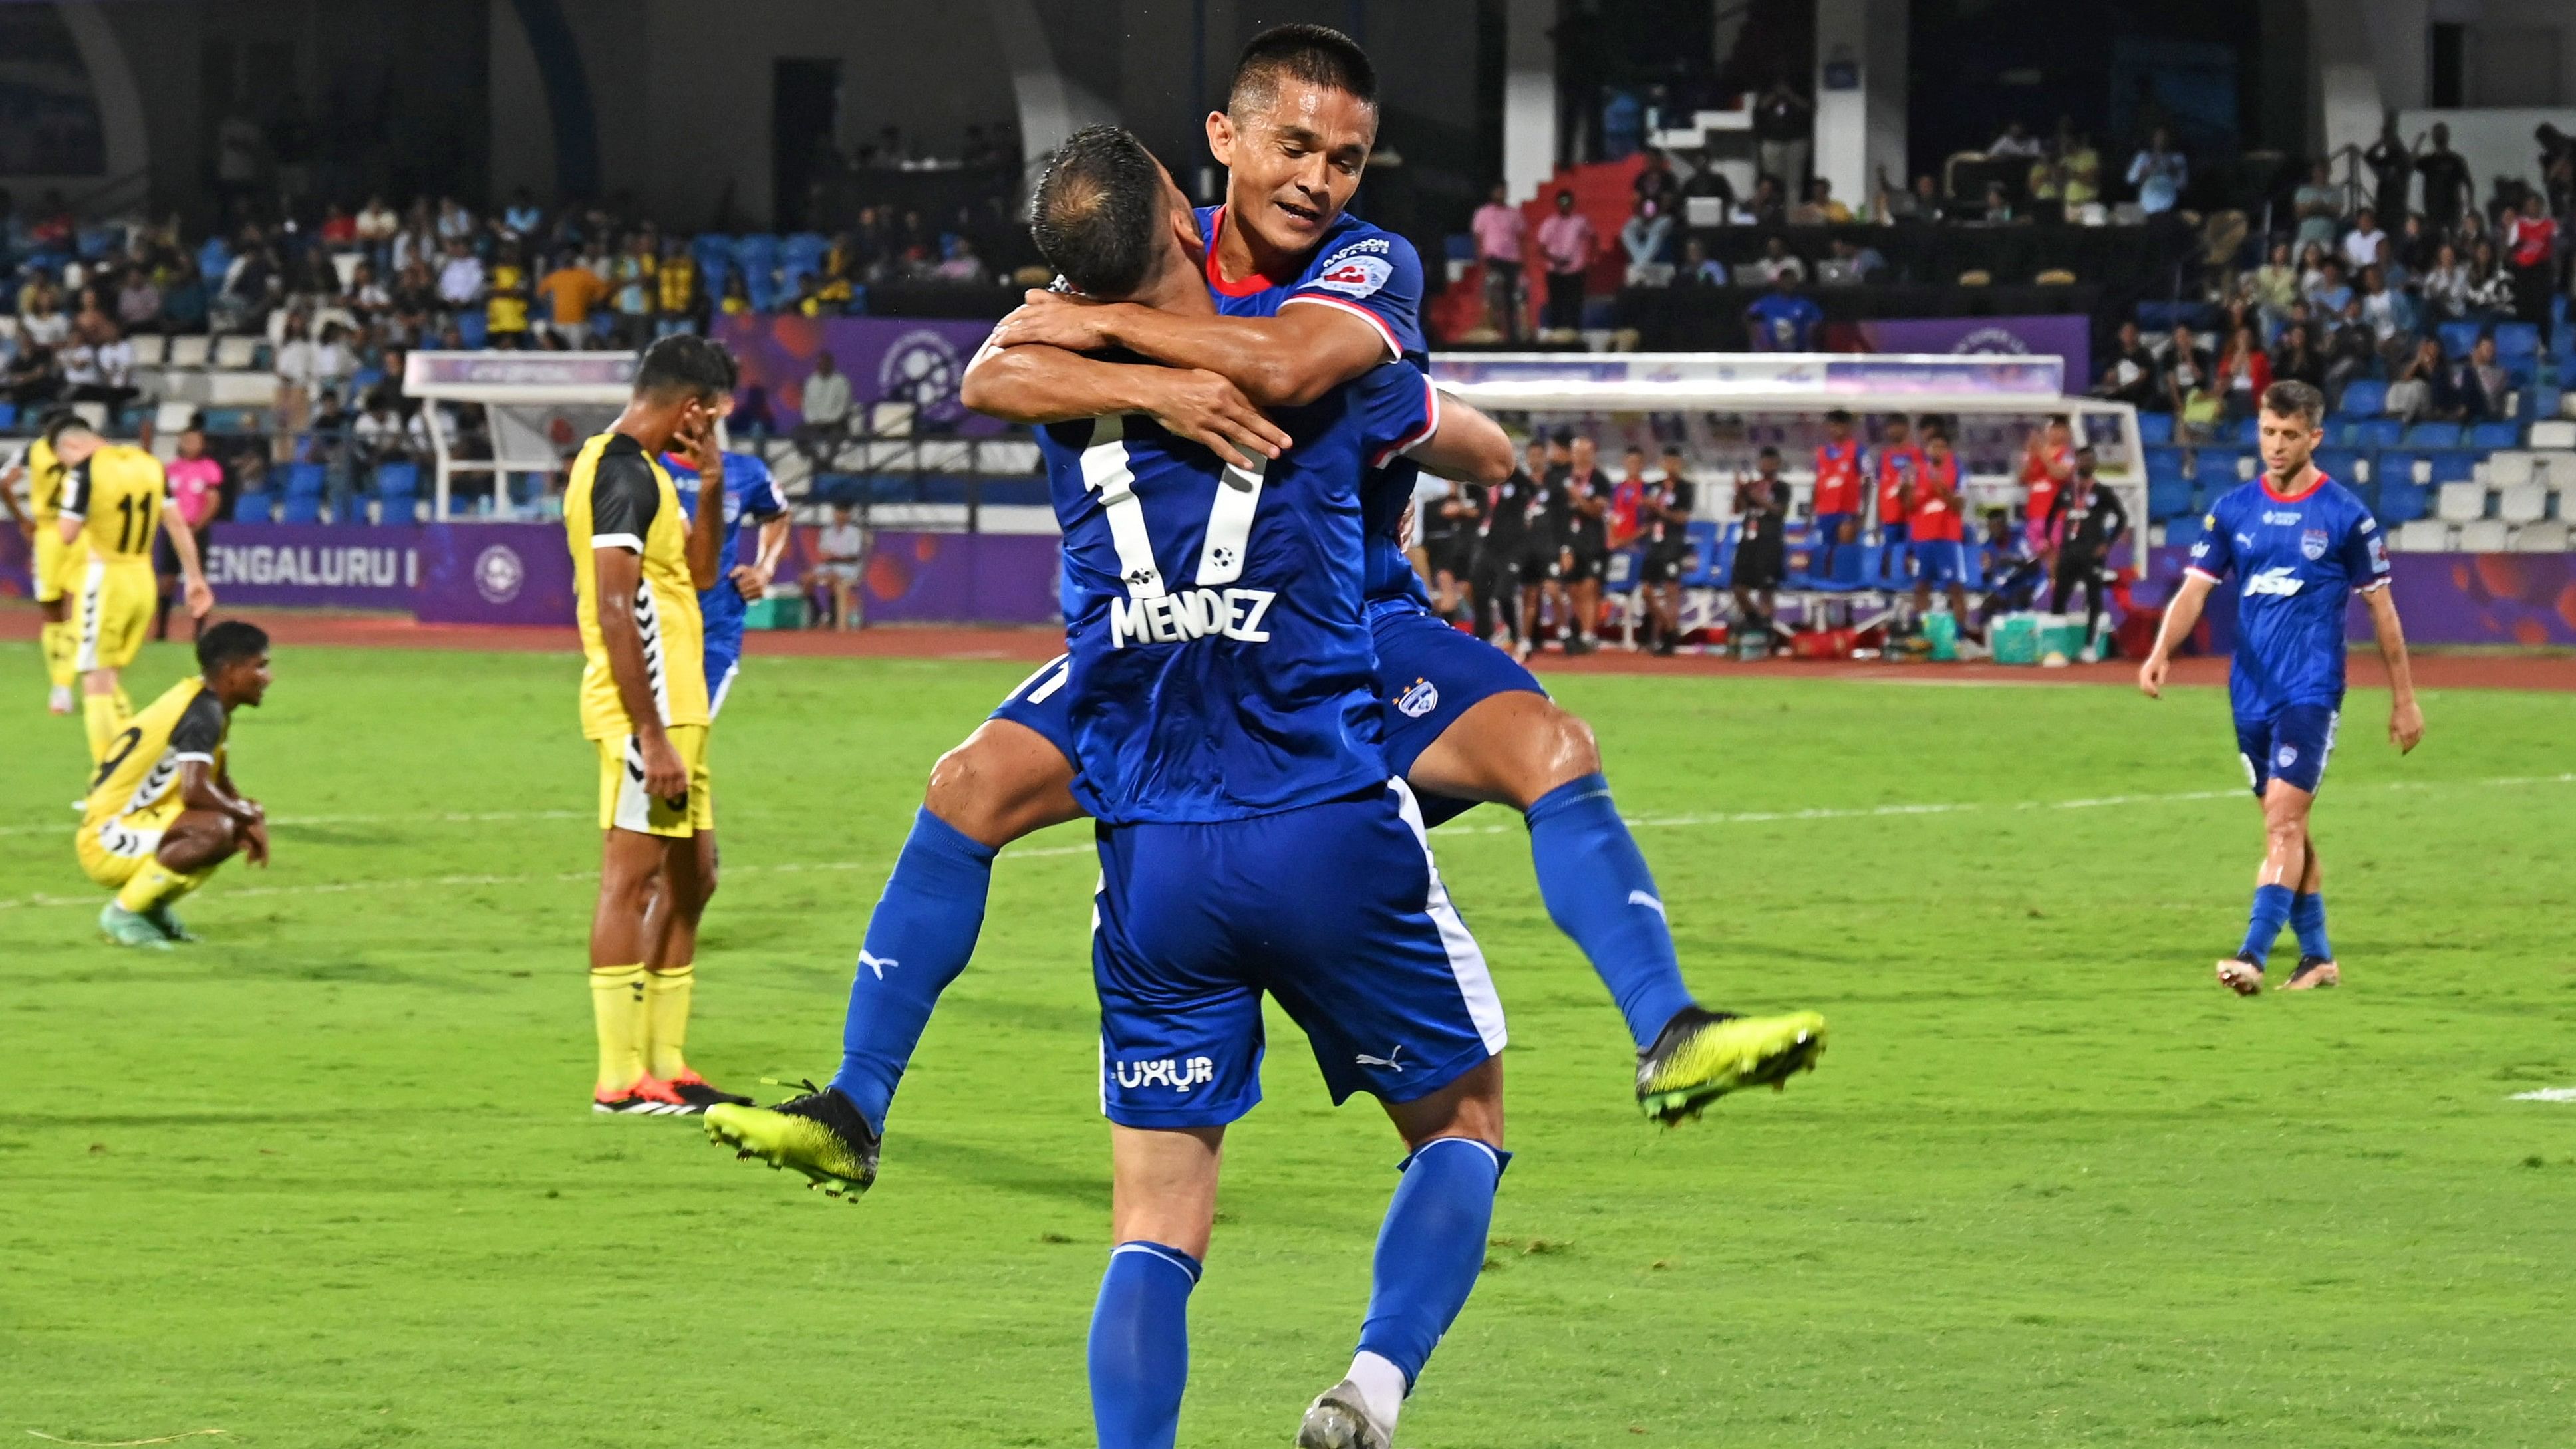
<point x="2297" y="562"/>
<point x="749" y="493"/>
<point x="1222" y="663"/>
<point x="1377" y="275"/>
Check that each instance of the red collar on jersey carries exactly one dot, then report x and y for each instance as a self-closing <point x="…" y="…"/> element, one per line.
<point x="2278" y="496"/>
<point x="1249" y="286"/>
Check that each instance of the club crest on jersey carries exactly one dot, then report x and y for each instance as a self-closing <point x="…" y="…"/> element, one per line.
<point x="1419" y="698"/>
<point x="2312" y="542"/>
<point x="1354" y="276"/>
<point x="1179" y="1076"/>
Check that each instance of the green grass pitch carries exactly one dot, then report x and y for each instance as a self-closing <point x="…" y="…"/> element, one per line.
<point x="329" y="1179"/>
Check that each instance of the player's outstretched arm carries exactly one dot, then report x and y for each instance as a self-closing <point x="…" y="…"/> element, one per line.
<point x="619" y="573"/>
<point x="1287" y="360"/>
<point x="2180" y="618"/>
<point x="2405" y="716"/>
<point x="1037" y="384"/>
<point x="1467" y="446"/>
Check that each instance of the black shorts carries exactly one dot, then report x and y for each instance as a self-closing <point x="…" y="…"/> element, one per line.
<point x="165" y="559"/>
<point x="1759" y="563"/>
<point x="1541" y="563"/>
<point x="1455" y="556"/>
<point x="1584" y="565"/>
<point x="1664" y="563"/>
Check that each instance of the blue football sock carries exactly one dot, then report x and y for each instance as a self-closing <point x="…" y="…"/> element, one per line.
<point x="919" y="937"/>
<point x="2308" y="918"/>
<point x="2271" y="913"/>
<point x="1140" y="1345"/>
<point x="1599" y="892"/>
<point x="1430" y="1250"/>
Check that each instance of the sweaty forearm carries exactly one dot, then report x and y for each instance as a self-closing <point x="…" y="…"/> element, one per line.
<point x="2391" y="636"/>
<point x="706" y="533"/>
<point x="1039" y="384"/>
<point x="1275" y="360"/>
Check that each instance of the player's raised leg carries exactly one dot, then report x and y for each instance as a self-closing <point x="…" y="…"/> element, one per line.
<point x="1522" y="749"/>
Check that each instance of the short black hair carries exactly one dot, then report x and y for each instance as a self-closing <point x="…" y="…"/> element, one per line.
<point x="1097" y="211"/>
<point x="64" y="420"/>
<point x="230" y="640"/>
<point x="2290" y="398"/>
<point x="1768" y="452"/>
<point x="1839" y="415"/>
<point x="1316" y="54"/>
<point x="686" y="362"/>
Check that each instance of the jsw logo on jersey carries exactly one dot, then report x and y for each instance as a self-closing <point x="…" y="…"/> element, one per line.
<point x="1179" y="1076"/>
<point x="1191" y="614"/>
<point x="2279" y="581"/>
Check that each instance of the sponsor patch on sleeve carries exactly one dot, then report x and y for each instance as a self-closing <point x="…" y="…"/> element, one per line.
<point x="1354" y="276"/>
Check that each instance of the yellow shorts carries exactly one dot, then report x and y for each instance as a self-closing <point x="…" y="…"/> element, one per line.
<point x="114" y="613"/>
<point x="115" y="848"/>
<point x="53" y="557"/>
<point x="623" y="805"/>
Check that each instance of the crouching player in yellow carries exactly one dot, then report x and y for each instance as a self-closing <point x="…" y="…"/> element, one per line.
<point x="48" y="566"/>
<point x="163" y="811"/>
<point x="638" y="566"/>
<point x="115" y="497"/>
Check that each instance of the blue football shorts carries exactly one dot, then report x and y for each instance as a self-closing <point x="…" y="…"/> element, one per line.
<point x="2291" y="744"/>
<point x="1428" y="674"/>
<point x="1336" y="910"/>
<point x="1939" y="561"/>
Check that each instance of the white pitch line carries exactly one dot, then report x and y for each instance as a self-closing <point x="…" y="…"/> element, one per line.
<point x="2545" y="1094"/>
<point x="1740" y="817"/>
<point x="440" y="817"/>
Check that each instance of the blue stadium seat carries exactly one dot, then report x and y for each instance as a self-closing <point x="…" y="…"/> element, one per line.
<point x="2458" y="337"/>
<point x="2245" y="432"/>
<point x="397" y="489"/>
<point x="472" y="329"/>
<point x="1972" y="560"/>
<point x="1895" y="570"/>
<point x="251" y="508"/>
<point x="713" y="252"/>
<point x="305" y="480"/>
<point x="2363" y="398"/>
<point x="8" y="416"/>
<point x="1702" y="572"/>
<point x="2454" y="465"/>
<point x="2168" y="498"/>
<point x="2183" y="532"/>
<point x="2215" y="473"/>
<point x="2400" y="502"/>
<point x="2490" y="436"/>
<point x="2155" y="428"/>
<point x="2516" y="339"/>
<point x="2433" y="435"/>
<point x="1622" y="575"/>
<point x="302" y="509"/>
<point x="2338" y="464"/>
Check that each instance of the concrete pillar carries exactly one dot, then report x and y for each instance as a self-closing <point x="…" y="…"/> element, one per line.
<point x="1860" y="94"/>
<point x="1529" y="96"/>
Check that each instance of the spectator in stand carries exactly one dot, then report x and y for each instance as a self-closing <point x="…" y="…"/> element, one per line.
<point x="841" y="552"/>
<point x="1767" y="206"/>
<point x="183" y="298"/>
<point x="2485" y="387"/>
<point x="522" y="218"/>
<point x="2273" y="287"/>
<point x="735" y="300"/>
<point x="2391" y="166"/>
<point x="1656" y="182"/>
<point x="1565" y="240"/>
<point x="1998" y="208"/>
<point x="377" y="224"/>
<point x="2242" y="373"/>
<point x="675" y="285"/>
<point x="2133" y="376"/>
<point x="454" y="222"/>
<point x="825" y="408"/>
<point x="2444" y="286"/>
<point x="40" y="314"/>
<point x="1778" y="261"/>
<point x="1502" y="240"/>
<point x="296" y="386"/>
<point x="138" y="302"/>
<point x="2331" y="292"/>
<point x="1783" y="124"/>
<point x="1783" y="319"/>
<point x="2198" y="416"/>
<point x="632" y="290"/>
<point x="2015" y="144"/>
<point x="415" y="300"/>
<point x="2448" y="190"/>
<point x="460" y="277"/>
<point x="33" y="377"/>
<point x="1707" y="180"/>
<point x="366" y="297"/>
<point x="959" y="266"/>
<point x="2388" y="313"/>
<point x="2353" y="352"/>
<point x="1698" y="268"/>
<point x="2361" y="245"/>
<point x="2079" y="169"/>
<point x="2533" y="244"/>
<point x="2423" y="390"/>
<point x="339" y="231"/>
<point x="1920" y="204"/>
<point x="1823" y="206"/>
<point x="571" y="291"/>
<point x="2491" y="291"/>
<point x="1865" y="261"/>
<point x="196" y="490"/>
<point x="2186" y="366"/>
<point x="2160" y="173"/>
<point x="1761" y="553"/>
<point x="1646" y="237"/>
<point x="505" y="305"/>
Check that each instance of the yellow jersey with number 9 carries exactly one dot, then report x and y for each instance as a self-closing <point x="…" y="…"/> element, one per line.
<point x="117" y="493"/>
<point x="617" y="496"/>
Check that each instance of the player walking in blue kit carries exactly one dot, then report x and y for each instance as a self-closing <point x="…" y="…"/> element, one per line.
<point x="2299" y="545"/>
<point x="749" y="495"/>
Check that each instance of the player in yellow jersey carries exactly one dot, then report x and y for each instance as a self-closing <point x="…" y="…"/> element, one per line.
<point x="638" y="566"/>
<point x="114" y="498"/>
<point x="43" y="472"/>
<point x="163" y="811"/>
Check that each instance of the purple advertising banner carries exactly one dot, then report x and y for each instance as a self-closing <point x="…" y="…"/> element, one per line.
<point x="963" y="578"/>
<point x="313" y="565"/>
<point x="2066" y="337"/>
<point x="2526" y="599"/>
<point x="494" y="573"/>
<point x="887" y="359"/>
<point x="15" y="556"/>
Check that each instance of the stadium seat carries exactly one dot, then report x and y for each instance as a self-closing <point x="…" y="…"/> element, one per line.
<point x="2423" y="535"/>
<point x="2245" y="432"/>
<point x="2168" y="498"/>
<point x="2185" y="531"/>
<point x="2516" y="340"/>
<point x="2495" y="435"/>
<point x="2375" y="433"/>
<point x="1703" y="571"/>
<point x="2400" y="502"/>
<point x="8" y="416"/>
<point x="2454" y="465"/>
<point x="397" y="488"/>
<point x="2215" y="473"/>
<point x="2553" y="433"/>
<point x="1894" y="573"/>
<point x="2546" y="537"/>
<point x="2341" y="464"/>
<point x="2461" y="502"/>
<point x="251" y="508"/>
<point x="1621" y="576"/>
<point x="471" y="328"/>
<point x="1972" y="567"/>
<point x="2458" y="338"/>
<point x="2484" y="535"/>
<point x="2433" y="435"/>
<point x="237" y="353"/>
<point x="149" y="348"/>
<point x="2510" y="468"/>
<point x="2522" y="503"/>
<point x="304" y="480"/>
<point x="2363" y="398"/>
<point x="301" y="509"/>
<point x="189" y="351"/>
<point x="2155" y="428"/>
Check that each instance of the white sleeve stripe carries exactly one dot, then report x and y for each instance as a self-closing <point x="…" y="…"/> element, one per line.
<point x="626" y="541"/>
<point x="1394" y="349"/>
<point x="1411" y="441"/>
<point x="191" y="757"/>
<point x="2204" y="573"/>
<point x="2373" y="585"/>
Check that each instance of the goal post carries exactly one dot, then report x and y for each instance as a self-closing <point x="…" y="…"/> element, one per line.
<point x="1721" y="407"/>
<point x="537" y="408"/>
